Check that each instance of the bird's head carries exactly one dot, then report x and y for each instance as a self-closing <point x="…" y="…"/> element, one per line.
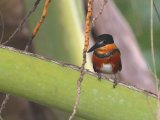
<point x="103" y="40"/>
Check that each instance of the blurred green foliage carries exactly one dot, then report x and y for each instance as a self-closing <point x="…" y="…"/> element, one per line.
<point x="137" y="13"/>
<point x="1" y="118"/>
<point x="55" y="41"/>
<point x="61" y="34"/>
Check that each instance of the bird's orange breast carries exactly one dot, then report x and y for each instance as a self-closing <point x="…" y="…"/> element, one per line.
<point x="114" y="59"/>
<point x="106" y="48"/>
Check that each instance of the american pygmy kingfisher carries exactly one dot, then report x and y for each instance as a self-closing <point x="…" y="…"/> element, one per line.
<point x="106" y="57"/>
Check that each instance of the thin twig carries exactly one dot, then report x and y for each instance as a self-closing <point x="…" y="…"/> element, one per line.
<point x="22" y="22"/>
<point x="40" y="22"/>
<point x="158" y="15"/>
<point x="153" y="57"/>
<point x="152" y="46"/>
<point x="99" y="12"/>
<point x="2" y="21"/>
<point x="82" y="72"/>
<point x="4" y="102"/>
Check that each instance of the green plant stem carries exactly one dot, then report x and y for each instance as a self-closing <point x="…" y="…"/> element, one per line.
<point x="53" y="84"/>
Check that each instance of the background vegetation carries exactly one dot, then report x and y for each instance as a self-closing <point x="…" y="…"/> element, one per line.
<point x="61" y="36"/>
<point x="137" y="14"/>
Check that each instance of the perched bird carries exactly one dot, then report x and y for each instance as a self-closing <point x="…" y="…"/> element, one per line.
<point x="106" y="57"/>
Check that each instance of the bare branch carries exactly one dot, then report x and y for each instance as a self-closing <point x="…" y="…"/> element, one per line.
<point x="2" y="20"/>
<point x="99" y="12"/>
<point x="82" y="72"/>
<point x="4" y="102"/>
<point x="40" y="22"/>
<point x="22" y="22"/>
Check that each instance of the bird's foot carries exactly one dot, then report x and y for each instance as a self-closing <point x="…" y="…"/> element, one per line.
<point x="115" y="82"/>
<point x="99" y="76"/>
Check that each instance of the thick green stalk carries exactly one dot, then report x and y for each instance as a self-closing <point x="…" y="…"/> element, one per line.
<point x="51" y="84"/>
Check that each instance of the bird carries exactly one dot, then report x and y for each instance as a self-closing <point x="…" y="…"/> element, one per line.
<point x="106" y="57"/>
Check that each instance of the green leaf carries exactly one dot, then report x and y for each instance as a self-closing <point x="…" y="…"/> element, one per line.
<point x="52" y="84"/>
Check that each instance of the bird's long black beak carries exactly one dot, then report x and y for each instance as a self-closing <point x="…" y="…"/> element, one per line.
<point x="97" y="45"/>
